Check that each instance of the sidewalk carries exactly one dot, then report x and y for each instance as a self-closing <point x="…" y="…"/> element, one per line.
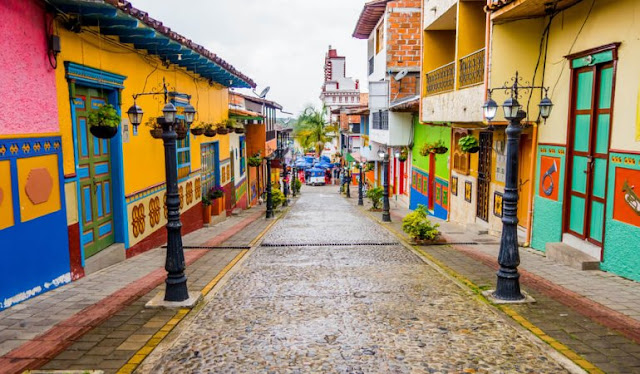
<point x="99" y="321"/>
<point x="593" y="313"/>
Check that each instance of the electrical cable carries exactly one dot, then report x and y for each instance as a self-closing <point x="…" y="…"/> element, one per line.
<point x="544" y="44"/>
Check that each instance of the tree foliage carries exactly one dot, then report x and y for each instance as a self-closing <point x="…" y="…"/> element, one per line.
<point x="312" y="129"/>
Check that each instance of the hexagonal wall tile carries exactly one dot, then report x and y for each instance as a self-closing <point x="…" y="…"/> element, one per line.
<point x="39" y="185"/>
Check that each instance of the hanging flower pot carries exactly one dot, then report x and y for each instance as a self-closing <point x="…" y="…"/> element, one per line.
<point x="196" y="131"/>
<point x="441" y="150"/>
<point x="222" y="130"/>
<point x="473" y="150"/>
<point x="255" y="161"/>
<point x="156" y="133"/>
<point x="103" y="122"/>
<point x="229" y="123"/>
<point x="239" y="130"/>
<point x="210" y="132"/>
<point x="469" y="144"/>
<point x="181" y="130"/>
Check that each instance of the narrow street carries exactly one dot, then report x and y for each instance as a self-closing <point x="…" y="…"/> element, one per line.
<point x="329" y="290"/>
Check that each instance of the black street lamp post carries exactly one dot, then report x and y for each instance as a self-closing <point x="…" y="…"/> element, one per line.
<point x="347" y="174"/>
<point x="360" y="184"/>
<point x="176" y="282"/>
<point x="269" y="194"/>
<point x="285" y="185"/>
<point x="508" y="283"/>
<point x="294" y="170"/>
<point x="386" y="216"/>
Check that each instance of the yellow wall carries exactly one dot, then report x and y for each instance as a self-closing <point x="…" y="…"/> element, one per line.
<point x="515" y="46"/>
<point x="143" y="155"/>
<point x="471" y="27"/>
<point x="438" y="49"/>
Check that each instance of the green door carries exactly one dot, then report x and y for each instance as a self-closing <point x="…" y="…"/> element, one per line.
<point x="589" y="151"/>
<point x="94" y="176"/>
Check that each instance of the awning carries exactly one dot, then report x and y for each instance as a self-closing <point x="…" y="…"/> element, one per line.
<point x="133" y="26"/>
<point x="369" y="18"/>
<point x="244" y="114"/>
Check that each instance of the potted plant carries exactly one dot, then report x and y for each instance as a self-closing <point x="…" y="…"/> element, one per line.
<point x="104" y="121"/>
<point x="239" y="128"/>
<point x="206" y="209"/>
<point x="198" y="129"/>
<point x="404" y="154"/>
<point x="155" y="128"/>
<point x="469" y="144"/>
<point x="440" y="148"/>
<point x="229" y="123"/>
<point x="209" y="130"/>
<point x="216" y="194"/>
<point x="181" y="129"/>
<point x="221" y="129"/>
<point x="277" y="197"/>
<point x="427" y="148"/>
<point x="375" y="195"/>
<point x="255" y="160"/>
<point x="297" y="185"/>
<point x="419" y="227"/>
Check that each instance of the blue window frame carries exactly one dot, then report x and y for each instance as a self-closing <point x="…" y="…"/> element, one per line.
<point x="243" y="161"/>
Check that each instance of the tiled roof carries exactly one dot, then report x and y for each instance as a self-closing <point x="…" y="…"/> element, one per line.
<point x="369" y="18"/>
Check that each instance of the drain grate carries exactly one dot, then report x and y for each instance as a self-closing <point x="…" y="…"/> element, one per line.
<point x="211" y="247"/>
<point x="327" y="244"/>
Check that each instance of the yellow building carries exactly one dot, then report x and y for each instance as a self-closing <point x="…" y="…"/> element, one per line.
<point x="115" y="188"/>
<point x="587" y="158"/>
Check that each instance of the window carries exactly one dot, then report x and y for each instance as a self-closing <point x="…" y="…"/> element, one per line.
<point x="460" y="159"/>
<point x="184" y="156"/>
<point x="379" y="38"/>
<point x="381" y="120"/>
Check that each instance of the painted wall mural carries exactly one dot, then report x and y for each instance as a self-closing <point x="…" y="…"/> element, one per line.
<point x="32" y="167"/>
<point x="468" y="188"/>
<point x="549" y="177"/>
<point x="497" y="204"/>
<point x="626" y="196"/>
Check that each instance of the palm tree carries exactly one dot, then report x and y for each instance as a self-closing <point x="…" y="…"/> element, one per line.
<point x="312" y="129"/>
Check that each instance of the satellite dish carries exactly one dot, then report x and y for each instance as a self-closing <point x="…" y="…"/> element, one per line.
<point x="401" y="74"/>
<point x="264" y="92"/>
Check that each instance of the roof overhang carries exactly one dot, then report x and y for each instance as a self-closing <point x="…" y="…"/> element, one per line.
<point x="511" y="10"/>
<point x="409" y="104"/>
<point x="369" y="17"/>
<point x="133" y="26"/>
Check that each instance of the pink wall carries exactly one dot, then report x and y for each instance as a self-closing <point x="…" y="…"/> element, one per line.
<point x="28" y="100"/>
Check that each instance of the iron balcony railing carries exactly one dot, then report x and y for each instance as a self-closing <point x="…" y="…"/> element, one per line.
<point x="441" y="79"/>
<point x="471" y="70"/>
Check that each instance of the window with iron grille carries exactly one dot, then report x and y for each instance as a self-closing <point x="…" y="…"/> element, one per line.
<point x="381" y="120"/>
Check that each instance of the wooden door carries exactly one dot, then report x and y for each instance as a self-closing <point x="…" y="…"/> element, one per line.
<point x="524" y="184"/>
<point x="484" y="175"/>
<point x="94" y="176"/>
<point x="589" y="151"/>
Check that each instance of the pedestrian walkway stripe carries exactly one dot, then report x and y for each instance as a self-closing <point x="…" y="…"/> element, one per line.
<point x="561" y="348"/>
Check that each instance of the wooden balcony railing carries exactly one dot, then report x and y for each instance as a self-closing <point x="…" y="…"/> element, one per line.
<point x="441" y="79"/>
<point x="471" y="69"/>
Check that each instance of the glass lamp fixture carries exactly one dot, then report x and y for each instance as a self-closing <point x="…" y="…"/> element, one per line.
<point x="189" y="113"/>
<point x="381" y="153"/>
<point x="545" y="107"/>
<point x="511" y="107"/>
<point x="490" y="108"/>
<point x="169" y="111"/>
<point x="396" y="153"/>
<point x="135" y="114"/>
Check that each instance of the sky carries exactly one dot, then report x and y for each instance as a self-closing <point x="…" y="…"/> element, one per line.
<point x="277" y="43"/>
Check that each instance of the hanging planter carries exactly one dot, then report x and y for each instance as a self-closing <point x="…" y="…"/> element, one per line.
<point x="229" y="123"/>
<point x="404" y="154"/>
<point x="255" y="160"/>
<point x="222" y="130"/>
<point x="469" y="144"/>
<point x="154" y="128"/>
<point x="209" y="131"/>
<point x="103" y="122"/>
<point x="197" y="130"/>
<point x="181" y="130"/>
<point x="156" y="133"/>
<point x="440" y="148"/>
<point x="238" y="130"/>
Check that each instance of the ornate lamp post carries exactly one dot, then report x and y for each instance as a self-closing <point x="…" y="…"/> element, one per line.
<point x="360" y="183"/>
<point x="508" y="283"/>
<point x="294" y="170"/>
<point x="386" y="216"/>
<point x="269" y="213"/>
<point x="347" y="179"/>
<point x="176" y="282"/>
<point x="285" y="185"/>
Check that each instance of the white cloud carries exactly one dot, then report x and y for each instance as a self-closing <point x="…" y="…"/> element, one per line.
<point x="278" y="43"/>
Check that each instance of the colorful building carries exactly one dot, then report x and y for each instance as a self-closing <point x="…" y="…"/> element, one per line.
<point x="392" y="31"/>
<point x="587" y="154"/>
<point x="108" y="194"/>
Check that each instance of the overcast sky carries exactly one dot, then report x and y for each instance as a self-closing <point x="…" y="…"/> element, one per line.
<point x="278" y="43"/>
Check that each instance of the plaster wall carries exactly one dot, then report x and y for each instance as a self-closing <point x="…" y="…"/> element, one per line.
<point x="400" y="124"/>
<point x="463" y="105"/>
<point x="27" y="79"/>
<point x="435" y="9"/>
<point x="144" y="73"/>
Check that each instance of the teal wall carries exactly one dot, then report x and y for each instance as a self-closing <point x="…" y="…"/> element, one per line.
<point x="547" y="213"/>
<point x="622" y="240"/>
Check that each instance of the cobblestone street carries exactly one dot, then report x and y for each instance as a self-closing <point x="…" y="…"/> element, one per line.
<point x="330" y="290"/>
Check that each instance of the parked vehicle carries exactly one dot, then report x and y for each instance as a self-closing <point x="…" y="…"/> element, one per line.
<point x="315" y="177"/>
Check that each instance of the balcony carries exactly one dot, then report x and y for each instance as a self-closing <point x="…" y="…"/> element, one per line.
<point x="441" y="79"/>
<point x="510" y="10"/>
<point x="471" y="69"/>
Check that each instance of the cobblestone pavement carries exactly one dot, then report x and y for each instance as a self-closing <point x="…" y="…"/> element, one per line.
<point x="318" y="300"/>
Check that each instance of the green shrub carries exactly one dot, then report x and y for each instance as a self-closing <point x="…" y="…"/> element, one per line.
<point x="297" y="185"/>
<point x="375" y="195"/>
<point x="277" y="197"/>
<point x="418" y="226"/>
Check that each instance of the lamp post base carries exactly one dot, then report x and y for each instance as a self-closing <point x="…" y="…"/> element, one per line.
<point x="158" y="302"/>
<point x="490" y="295"/>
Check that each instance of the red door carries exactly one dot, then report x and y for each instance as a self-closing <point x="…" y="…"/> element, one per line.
<point x="432" y="180"/>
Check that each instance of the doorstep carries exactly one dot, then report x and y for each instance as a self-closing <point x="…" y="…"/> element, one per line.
<point x="111" y="255"/>
<point x="570" y="256"/>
